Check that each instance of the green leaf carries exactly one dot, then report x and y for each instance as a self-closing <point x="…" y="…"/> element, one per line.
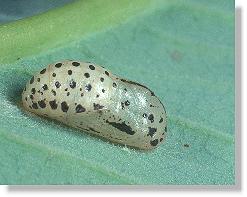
<point x="183" y="50"/>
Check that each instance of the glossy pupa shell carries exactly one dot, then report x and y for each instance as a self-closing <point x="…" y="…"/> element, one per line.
<point x="88" y="97"/>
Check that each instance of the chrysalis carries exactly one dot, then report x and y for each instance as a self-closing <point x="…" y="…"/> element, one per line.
<point x="88" y="97"/>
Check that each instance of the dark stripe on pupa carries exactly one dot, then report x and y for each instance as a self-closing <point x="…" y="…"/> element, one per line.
<point x="122" y="127"/>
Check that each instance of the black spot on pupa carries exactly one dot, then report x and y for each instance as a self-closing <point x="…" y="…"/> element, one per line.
<point x="68" y="93"/>
<point x="151" y="105"/>
<point x="80" y="89"/>
<point x="103" y="90"/>
<point x="35" y="106"/>
<point x="97" y="106"/>
<point x="79" y="109"/>
<point x="97" y="96"/>
<point x="127" y="103"/>
<point x="106" y="73"/>
<point x="54" y="74"/>
<point x="32" y="80"/>
<point x="45" y="87"/>
<point x="66" y="89"/>
<point x="186" y="145"/>
<point x="122" y="127"/>
<point x="31" y="97"/>
<point x="82" y="94"/>
<point x="144" y="115"/>
<point x="58" y="65"/>
<point x="42" y="104"/>
<point x="154" y="142"/>
<point x="69" y="72"/>
<point x="43" y="71"/>
<point x="114" y="85"/>
<point x="151" y="131"/>
<point x="72" y="84"/>
<point x="33" y="90"/>
<point x="125" y="89"/>
<point x="75" y="63"/>
<point x="151" y="118"/>
<point x="122" y="105"/>
<point x="161" y="120"/>
<point x="38" y="79"/>
<point x="165" y="129"/>
<point x="57" y="84"/>
<point x="87" y="75"/>
<point x="53" y="92"/>
<point x="64" y="106"/>
<point x="161" y="139"/>
<point x="101" y="79"/>
<point x="88" y="87"/>
<point x="53" y="104"/>
<point x="91" y="67"/>
<point x="152" y="93"/>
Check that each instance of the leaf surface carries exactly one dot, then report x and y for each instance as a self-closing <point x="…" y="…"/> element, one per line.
<point x="182" y="50"/>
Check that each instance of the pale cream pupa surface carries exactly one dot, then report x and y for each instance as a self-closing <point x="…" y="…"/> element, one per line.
<point x="88" y="97"/>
